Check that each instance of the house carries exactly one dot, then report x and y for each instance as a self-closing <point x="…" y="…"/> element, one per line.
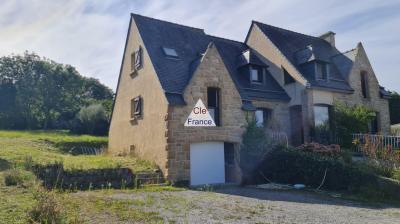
<point x="287" y="81"/>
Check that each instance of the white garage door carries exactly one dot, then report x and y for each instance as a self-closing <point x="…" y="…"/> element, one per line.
<point x="207" y="163"/>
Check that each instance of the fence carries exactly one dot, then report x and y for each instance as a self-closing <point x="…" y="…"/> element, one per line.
<point x="382" y="141"/>
<point x="278" y="137"/>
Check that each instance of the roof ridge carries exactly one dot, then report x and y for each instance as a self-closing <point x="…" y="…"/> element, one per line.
<point x="344" y="52"/>
<point x="172" y="23"/>
<point x="226" y="39"/>
<point x="275" y="27"/>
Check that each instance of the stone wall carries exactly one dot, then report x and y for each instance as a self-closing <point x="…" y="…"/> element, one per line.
<point x="374" y="101"/>
<point x="210" y="73"/>
<point x="54" y="176"/>
<point x="144" y="137"/>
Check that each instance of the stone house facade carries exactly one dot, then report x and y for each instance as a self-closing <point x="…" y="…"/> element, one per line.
<point x="167" y="67"/>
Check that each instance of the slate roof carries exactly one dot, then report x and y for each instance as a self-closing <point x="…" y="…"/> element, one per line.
<point x="190" y="43"/>
<point x="300" y="48"/>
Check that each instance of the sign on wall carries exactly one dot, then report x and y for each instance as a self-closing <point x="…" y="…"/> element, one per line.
<point x="199" y="117"/>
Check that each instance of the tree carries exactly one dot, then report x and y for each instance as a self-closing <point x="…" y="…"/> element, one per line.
<point x="40" y="93"/>
<point x="92" y="120"/>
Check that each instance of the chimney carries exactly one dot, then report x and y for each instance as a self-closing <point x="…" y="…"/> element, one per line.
<point x="329" y="37"/>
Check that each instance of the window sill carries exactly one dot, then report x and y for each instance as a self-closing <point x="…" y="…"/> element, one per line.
<point x="134" y="120"/>
<point x="133" y="73"/>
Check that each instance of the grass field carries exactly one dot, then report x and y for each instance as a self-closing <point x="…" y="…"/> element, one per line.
<point x="47" y="147"/>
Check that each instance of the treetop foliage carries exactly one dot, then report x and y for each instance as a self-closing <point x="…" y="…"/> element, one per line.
<point x="38" y="93"/>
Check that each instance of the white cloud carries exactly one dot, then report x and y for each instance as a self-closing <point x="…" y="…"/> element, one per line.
<point x="90" y="35"/>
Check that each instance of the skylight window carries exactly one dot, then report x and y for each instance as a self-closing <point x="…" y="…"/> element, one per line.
<point x="170" y="52"/>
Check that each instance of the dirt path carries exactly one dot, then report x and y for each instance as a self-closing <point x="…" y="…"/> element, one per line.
<point x="250" y="205"/>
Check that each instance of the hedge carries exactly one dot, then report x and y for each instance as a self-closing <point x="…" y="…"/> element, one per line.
<point x="292" y="166"/>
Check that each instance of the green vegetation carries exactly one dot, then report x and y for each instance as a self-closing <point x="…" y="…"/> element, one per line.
<point x="49" y="147"/>
<point x="348" y="120"/>
<point x="326" y="170"/>
<point x="24" y="200"/>
<point x="37" y="93"/>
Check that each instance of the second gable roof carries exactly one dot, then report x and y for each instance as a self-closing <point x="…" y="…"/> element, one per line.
<point x="293" y="44"/>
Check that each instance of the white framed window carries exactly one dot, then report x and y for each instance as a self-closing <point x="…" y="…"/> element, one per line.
<point x="256" y="75"/>
<point x="321" y="115"/>
<point x="262" y="116"/>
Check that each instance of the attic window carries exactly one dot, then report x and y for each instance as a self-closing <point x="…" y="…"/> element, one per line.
<point x="170" y="52"/>
<point x="322" y="71"/>
<point x="256" y="74"/>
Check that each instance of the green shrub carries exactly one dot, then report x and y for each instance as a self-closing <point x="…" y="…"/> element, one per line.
<point x="48" y="209"/>
<point x="255" y="146"/>
<point x="348" y="120"/>
<point x="18" y="177"/>
<point x="91" y="120"/>
<point x="292" y="166"/>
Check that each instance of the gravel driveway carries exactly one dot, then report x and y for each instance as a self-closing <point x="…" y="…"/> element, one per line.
<point x="252" y="205"/>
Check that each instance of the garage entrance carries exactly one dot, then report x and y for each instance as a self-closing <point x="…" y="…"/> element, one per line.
<point x="207" y="163"/>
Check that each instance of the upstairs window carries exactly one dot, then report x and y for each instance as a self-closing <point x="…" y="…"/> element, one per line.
<point x="322" y="71"/>
<point x="287" y="77"/>
<point x="136" y="107"/>
<point x="213" y="103"/>
<point x="262" y="116"/>
<point x="373" y="126"/>
<point x="364" y="85"/>
<point x="137" y="59"/>
<point x="170" y="52"/>
<point x="256" y="74"/>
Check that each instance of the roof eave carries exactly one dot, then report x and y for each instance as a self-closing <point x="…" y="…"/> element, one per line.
<point x="331" y="89"/>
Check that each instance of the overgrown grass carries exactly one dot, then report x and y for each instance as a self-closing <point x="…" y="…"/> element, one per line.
<point x="21" y="149"/>
<point x="396" y="174"/>
<point x="48" y="147"/>
<point x="15" y="204"/>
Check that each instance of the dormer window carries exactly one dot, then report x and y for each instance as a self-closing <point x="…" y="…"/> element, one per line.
<point x="322" y="71"/>
<point x="170" y="52"/>
<point x="256" y="74"/>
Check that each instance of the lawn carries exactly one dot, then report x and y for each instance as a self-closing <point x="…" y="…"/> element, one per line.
<point x="48" y="147"/>
<point x="76" y="207"/>
<point x="17" y="148"/>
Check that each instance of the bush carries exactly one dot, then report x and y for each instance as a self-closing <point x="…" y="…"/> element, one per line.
<point x="349" y="120"/>
<point x="326" y="150"/>
<point x="18" y="177"/>
<point x="91" y="120"/>
<point x="292" y="166"/>
<point x="254" y="147"/>
<point x="48" y="208"/>
<point x="384" y="159"/>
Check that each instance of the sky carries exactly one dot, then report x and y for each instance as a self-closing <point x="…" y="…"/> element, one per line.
<point x="90" y="34"/>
